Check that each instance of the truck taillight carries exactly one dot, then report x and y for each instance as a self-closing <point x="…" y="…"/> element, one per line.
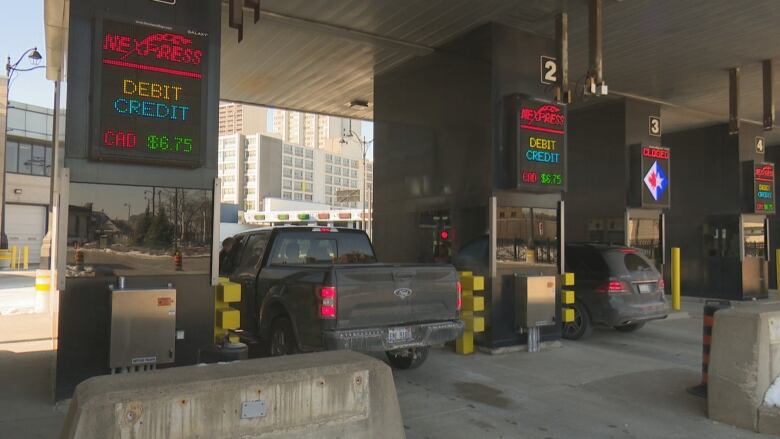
<point x="459" y="302"/>
<point x="614" y="286"/>
<point x="661" y="285"/>
<point x="328" y="302"/>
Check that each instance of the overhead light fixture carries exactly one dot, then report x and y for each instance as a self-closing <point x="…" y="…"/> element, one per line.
<point x="359" y="104"/>
<point x="35" y="56"/>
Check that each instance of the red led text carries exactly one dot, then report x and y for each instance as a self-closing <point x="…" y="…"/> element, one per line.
<point x="548" y="114"/>
<point x="119" y="139"/>
<point x="656" y="153"/>
<point x="162" y="46"/>
<point x="765" y="173"/>
<point x="530" y="177"/>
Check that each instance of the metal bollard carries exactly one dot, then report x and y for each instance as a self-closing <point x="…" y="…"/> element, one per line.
<point x="42" y="287"/>
<point x="710" y="308"/>
<point x="533" y="339"/>
<point x="26" y="257"/>
<point x="676" y="278"/>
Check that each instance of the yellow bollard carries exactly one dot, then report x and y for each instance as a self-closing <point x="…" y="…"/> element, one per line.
<point x="26" y="258"/>
<point x="14" y="257"/>
<point x="226" y="317"/>
<point x="470" y="304"/>
<point x="676" y="278"/>
<point x="777" y="270"/>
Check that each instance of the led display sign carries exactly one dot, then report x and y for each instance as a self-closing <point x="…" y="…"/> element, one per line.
<point x="149" y="94"/>
<point x="651" y="184"/>
<point x="763" y="187"/>
<point x="539" y="137"/>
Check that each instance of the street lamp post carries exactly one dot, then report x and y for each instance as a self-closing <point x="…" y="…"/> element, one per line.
<point x="10" y="68"/>
<point x="364" y="144"/>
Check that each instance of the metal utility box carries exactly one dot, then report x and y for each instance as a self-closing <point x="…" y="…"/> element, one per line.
<point x="143" y="327"/>
<point x="534" y="301"/>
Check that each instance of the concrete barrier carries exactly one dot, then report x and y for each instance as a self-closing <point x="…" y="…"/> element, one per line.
<point x="744" y="361"/>
<point x="337" y="394"/>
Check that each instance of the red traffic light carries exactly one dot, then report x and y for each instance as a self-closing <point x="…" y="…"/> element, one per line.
<point x="444" y="235"/>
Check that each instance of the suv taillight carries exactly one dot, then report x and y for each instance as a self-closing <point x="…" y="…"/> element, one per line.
<point x="614" y="286"/>
<point x="661" y="285"/>
<point x="459" y="302"/>
<point x="328" y="302"/>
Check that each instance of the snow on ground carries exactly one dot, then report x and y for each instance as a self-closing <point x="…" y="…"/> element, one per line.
<point x="772" y="397"/>
<point x="17" y="292"/>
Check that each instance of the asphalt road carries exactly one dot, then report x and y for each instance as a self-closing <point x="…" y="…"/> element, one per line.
<point x="613" y="385"/>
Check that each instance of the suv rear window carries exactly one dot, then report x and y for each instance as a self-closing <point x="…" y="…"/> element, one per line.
<point x="321" y="248"/>
<point x="635" y="263"/>
<point x="585" y="261"/>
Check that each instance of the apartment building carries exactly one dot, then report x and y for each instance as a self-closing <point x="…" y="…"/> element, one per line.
<point x="311" y="130"/>
<point x="240" y="118"/>
<point x="254" y="167"/>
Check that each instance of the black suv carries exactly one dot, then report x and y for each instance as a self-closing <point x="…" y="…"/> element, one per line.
<point x="614" y="286"/>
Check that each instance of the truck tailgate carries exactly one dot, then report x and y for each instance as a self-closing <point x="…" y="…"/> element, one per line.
<point x="394" y="295"/>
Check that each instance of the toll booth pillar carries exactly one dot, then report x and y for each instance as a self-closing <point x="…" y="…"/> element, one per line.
<point x="470" y="167"/>
<point x="621" y="178"/>
<point x="722" y="210"/>
<point x="138" y="215"/>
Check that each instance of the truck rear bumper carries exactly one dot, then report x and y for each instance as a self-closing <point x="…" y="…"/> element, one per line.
<point x="379" y="339"/>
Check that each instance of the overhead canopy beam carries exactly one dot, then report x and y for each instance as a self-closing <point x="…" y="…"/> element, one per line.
<point x="769" y="102"/>
<point x="734" y="100"/>
<point x="343" y="32"/>
<point x="595" y="82"/>
<point x="562" y="54"/>
<point x="55" y="13"/>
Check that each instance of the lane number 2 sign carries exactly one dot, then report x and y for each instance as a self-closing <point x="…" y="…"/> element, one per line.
<point x="549" y="69"/>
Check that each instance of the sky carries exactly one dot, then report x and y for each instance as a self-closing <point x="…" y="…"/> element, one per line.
<point x="21" y="28"/>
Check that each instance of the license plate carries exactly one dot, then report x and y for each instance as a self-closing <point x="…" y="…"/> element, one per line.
<point x="646" y="288"/>
<point x="395" y="335"/>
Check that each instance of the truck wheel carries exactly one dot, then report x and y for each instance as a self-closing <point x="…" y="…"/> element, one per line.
<point x="581" y="327"/>
<point x="631" y="327"/>
<point x="282" y="340"/>
<point x="407" y="358"/>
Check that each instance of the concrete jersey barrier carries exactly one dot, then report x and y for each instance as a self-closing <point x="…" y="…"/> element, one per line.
<point x="337" y="394"/>
<point x="744" y="361"/>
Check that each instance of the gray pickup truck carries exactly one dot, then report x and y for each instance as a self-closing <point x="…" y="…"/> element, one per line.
<point x="307" y="289"/>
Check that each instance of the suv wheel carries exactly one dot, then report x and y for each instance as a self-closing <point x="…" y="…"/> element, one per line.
<point x="631" y="327"/>
<point x="282" y="340"/>
<point x="581" y="327"/>
<point x="407" y="358"/>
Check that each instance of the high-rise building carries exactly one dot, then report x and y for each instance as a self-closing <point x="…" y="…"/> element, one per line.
<point x="312" y="130"/>
<point x="240" y="118"/>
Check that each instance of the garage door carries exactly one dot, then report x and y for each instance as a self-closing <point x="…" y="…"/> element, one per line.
<point x="26" y="225"/>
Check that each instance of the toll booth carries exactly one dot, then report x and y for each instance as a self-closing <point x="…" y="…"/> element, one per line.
<point x="471" y="167"/>
<point x="138" y="194"/>
<point x="620" y="177"/>
<point x="722" y="208"/>
<point x="772" y="155"/>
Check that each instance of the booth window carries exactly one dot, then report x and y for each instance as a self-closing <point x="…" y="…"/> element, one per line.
<point x="126" y="230"/>
<point x="527" y="236"/>
<point x="753" y="239"/>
